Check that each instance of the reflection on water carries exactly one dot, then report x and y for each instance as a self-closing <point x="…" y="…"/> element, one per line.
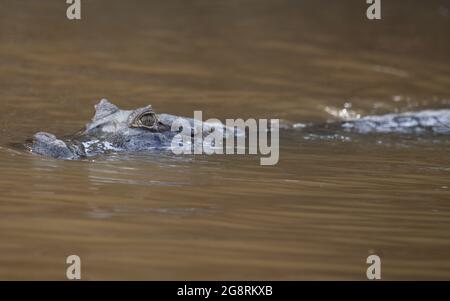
<point x="329" y="202"/>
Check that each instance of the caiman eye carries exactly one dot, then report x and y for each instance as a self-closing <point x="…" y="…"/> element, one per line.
<point x="148" y="119"/>
<point x="145" y="120"/>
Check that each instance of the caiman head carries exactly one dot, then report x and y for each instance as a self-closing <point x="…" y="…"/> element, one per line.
<point x="110" y="129"/>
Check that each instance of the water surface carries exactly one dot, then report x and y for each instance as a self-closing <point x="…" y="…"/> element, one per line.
<point x="329" y="202"/>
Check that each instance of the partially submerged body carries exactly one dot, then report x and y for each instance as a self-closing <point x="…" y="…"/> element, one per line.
<point x="112" y="129"/>
<point x="421" y="122"/>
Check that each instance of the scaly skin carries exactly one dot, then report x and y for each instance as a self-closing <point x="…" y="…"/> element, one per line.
<point x="412" y="123"/>
<point x="431" y="121"/>
<point x="112" y="129"/>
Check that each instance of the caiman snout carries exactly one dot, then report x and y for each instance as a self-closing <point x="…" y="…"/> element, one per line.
<point x="47" y="144"/>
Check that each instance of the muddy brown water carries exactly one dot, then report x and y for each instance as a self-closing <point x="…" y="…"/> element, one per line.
<point x="317" y="214"/>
